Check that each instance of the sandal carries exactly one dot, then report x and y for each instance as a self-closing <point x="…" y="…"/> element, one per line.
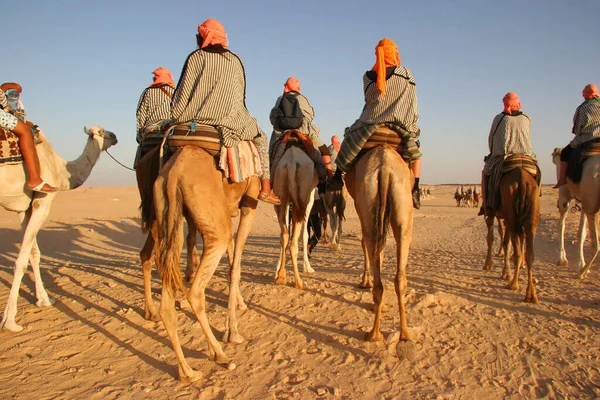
<point x="269" y="198"/>
<point x="43" y="188"/>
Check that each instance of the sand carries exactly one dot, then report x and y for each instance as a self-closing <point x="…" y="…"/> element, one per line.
<point x="474" y="338"/>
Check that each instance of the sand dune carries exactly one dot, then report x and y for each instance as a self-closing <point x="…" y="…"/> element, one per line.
<point x="474" y="339"/>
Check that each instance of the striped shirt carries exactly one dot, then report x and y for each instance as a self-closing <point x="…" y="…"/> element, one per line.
<point x="399" y="105"/>
<point x="154" y="105"/>
<point x="586" y="122"/>
<point x="3" y="101"/>
<point x="212" y="91"/>
<point x="307" y="128"/>
<point x="509" y="134"/>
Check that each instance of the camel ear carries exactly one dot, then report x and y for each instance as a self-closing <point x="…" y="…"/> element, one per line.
<point x="86" y="130"/>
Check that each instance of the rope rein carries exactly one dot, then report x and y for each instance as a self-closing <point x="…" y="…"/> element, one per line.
<point x="118" y="162"/>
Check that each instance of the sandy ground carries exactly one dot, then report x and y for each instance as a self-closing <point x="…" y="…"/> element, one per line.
<point x="475" y="339"/>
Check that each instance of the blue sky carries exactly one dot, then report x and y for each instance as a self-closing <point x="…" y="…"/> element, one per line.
<point x="85" y="63"/>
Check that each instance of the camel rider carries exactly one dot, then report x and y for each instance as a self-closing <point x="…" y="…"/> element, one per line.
<point x="391" y="99"/>
<point x="24" y="133"/>
<point x="510" y="134"/>
<point x="155" y="102"/>
<point x="212" y="91"/>
<point x="586" y="128"/>
<point x="334" y="148"/>
<point x="291" y="88"/>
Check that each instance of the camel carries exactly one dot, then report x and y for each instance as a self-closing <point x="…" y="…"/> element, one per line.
<point x="335" y="204"/>
<point x="588" y="191"/>
<point x="33" y="207"/>
<point x="520" y="207"/>
<point x="564" y="199"/>
<point x="489" y="220"/>
<point x="209" y="199"/>
<point x="295" y="180"/>
<point x="380" y="185"/>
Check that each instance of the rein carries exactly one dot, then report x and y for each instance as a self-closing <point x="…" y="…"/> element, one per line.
<point x="118" y="162"/>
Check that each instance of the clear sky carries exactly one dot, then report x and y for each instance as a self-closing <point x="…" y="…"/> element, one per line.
<point x="85" y="63"/>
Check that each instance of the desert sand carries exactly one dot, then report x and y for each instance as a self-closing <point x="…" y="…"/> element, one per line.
<point x="474" y="338"/>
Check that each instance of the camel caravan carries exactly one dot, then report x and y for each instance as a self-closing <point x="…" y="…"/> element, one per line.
<point x="203" y="159"/>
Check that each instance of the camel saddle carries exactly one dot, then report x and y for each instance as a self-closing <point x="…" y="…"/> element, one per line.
<point x="193" y="134"/>
<point x="382" y="137"/>
<point x="579" y="156"/>
<point x="295" y="138"/>
<point x="10" y="153"/>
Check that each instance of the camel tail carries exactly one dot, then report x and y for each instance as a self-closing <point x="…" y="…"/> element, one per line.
<point x="522" y="206"/>
<point x="147" y="194"/>
<point x="381" y="211"/>
<point x="170" y="238"/>
<point x="298" y="203"/>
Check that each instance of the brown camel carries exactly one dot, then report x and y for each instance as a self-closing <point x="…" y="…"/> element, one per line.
<point x="209" y="200"/>
<point x="380" y="185"/>
<point x="520" y="206"/>
<point x="489" y="221"/>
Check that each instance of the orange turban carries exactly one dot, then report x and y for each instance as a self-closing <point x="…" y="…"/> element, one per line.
<point x="162" y="76"/>
<point x="387" y="56"/>
<point x="511" y="102"/>
<point x="212" y="32"/>
<point x="590" y="91"/>
<point x="291" y="85"/>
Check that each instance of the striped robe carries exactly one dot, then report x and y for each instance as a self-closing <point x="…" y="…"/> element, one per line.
<point x="398" y="110"/>
<point x="3" y="100"/>
<point x="154" y="105"/>
<point x="212" y="91"/>
<point x="509" y="134"/>
<point x="586" y="122"/>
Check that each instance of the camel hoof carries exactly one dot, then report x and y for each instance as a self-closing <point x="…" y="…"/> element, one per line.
<point x="309" y="270"/>
<point x="531" y="299"/>
<point x="280" y="281"/>
<point x="488" y="267"/>
<point x="562" y="263"/>
<point x="192" y="377"/>
<point x="505" y="277"/>
<point x="365" y="285"/>
<point x="510" y="286"/>
<point x="233" y="338"/>
<point x="151" y="316"/>
<point x="374" y="336"/>
<point x="242" y="306"/>
<point x="406" y="350"/>
<point x="44" y="303"/>
<point x="299" y="285"/>
<point x="11" y="326"/>
<point x="221" y="359"/>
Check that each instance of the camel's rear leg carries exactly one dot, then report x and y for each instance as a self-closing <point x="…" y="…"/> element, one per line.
<point x="403" y="240"/>
<point x="146" y="256"/>
<point x="376" y="261"/>
<point x="489" y="263"/>
<point x="593" y="224"/>
<point x="284" y="236"/>
<point x="366" y="280"/>
<point x="193" y="259"/>
<point x="505" y="253"/>
<point x="169" y="318"/>
<point x="530" y="294"/>
<point x="517" y="242"/>
<point x="296" y="231"/>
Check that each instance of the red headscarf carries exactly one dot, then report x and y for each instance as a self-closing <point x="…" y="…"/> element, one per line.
<point x="387" y="56"/>
<point x="590" y="92"/>
<point x="291" y="85"/>
<point x="162" y="76"/>
<point x="212" y="32"/>
<point x="511" y="102"/>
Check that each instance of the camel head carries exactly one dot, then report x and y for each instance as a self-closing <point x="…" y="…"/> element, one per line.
<point x="556" y="155"/>
<point x="105" y="138"/>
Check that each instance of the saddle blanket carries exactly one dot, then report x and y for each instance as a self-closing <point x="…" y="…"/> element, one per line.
<point x="240" y="162"/>
<point x="10" y="153"/>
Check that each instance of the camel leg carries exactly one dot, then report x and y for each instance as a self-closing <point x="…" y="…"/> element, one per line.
<point x="31" y="224"/>
<point x="339" y="235"/>
<point x="306" y="263"/>
<point x="561" y="232"/>
<point x="40" y="292"/>
<point x="489" y="263"/>
<point x="581" y="234"/>
<point x="146" y="256"/>
<point x="403" y="240"/>
<point x="376" y="261"/>
<point x="366" y="281"/>
<point x="169" y="318"/>
<point x="297" y="227"/>
<point x="231" y="334"/>
<point x="500" y="252"/>
<point x="517" y="243"/>
<point x="284" y="237"/>
<point x="593" y="224"/>
<point x="505" y="253"/>
<point x="193" y="258"/>
<point x="530" y="294"/>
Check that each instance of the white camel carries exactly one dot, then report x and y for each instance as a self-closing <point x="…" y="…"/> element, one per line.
<point x="33" y="207"/>
<point x="564" y="200"/>
<point x="295" y="180"/>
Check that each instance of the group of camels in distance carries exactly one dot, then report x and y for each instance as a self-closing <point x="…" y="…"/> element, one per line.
<point x="380" y="185"/>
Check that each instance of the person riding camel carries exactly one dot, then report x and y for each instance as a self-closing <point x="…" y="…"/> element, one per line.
<point x="154" y="104"/>
<point x="510" y="134"/>
<point x="283" y="124"/>
<point x="24" y="132"/>
<point x="212" y="91"/>
<point x="586" y="128"/>
<point x="390" y="100"/>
